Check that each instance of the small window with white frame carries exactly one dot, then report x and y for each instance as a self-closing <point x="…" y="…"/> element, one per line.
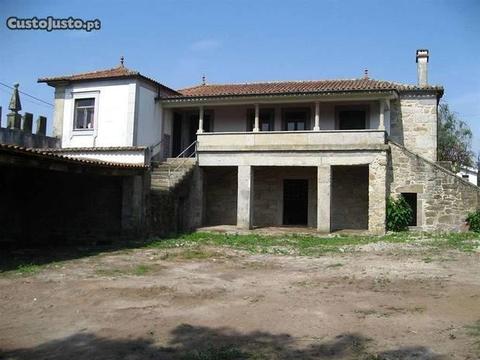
<point x="84" y="114"/>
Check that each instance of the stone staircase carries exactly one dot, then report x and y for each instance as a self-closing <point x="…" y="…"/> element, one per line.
<point x="178" y="168"/>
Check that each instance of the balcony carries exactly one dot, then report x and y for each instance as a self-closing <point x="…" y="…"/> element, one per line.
<point x="323" y="140"/>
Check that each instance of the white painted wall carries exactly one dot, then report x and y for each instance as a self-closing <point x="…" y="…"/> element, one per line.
<point x="112" y="156"/>
<point x="149" y="117"/>
<point x="126" y="114"/>
<point x="469" y="174"/>
<point x="114" y="114"/>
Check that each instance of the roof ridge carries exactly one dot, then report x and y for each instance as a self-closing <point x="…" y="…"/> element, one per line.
<point x="261" y="82"/>
<point x="132" y="72"/>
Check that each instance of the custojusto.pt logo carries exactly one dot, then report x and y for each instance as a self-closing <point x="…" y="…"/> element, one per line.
<point x="50" y="24"/>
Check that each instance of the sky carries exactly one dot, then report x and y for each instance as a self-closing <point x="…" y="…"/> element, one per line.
<point x="177" y="42"/>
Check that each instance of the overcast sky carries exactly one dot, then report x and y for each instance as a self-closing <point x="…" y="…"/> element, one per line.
<point x="176" y="42"/>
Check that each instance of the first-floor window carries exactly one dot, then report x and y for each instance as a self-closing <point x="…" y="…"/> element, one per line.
<point x="295" y="119"/>
<point x="84" y="113"/>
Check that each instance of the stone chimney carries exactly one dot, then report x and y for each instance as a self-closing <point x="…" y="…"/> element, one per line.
<point x="422" y="67"/>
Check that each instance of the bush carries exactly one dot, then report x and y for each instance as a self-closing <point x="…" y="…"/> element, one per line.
<point x="473" y="221"/>
<point x="399" y="214"/>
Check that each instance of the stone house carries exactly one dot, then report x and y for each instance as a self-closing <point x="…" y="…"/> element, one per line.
<point x="324" y="154"/>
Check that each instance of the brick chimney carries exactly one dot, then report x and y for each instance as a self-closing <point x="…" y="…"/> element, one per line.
<point x="422" y="67"/>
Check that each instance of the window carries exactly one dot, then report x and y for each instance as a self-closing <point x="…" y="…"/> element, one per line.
<point x="352" y="119"/>
<point x="84" y="114"/>
<point x="411" y="199"/>
<point x="465" y="176"/>
<point x="266" y="117"/>
<point x="295" y="119"/>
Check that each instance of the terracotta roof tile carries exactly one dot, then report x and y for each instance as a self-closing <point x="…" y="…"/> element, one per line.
<point x="118" y="72"/>
<point x="50" y="155"/>
<point x="297" y="87"/>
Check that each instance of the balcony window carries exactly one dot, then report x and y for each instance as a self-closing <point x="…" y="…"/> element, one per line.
<point x="351" y="117"/>
<point x="84" y="114"/>
<point x="266" y="119"/>
<point x="295" y="119"/>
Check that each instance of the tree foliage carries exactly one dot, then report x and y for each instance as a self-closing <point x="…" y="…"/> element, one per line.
<point x="454" y="138"/>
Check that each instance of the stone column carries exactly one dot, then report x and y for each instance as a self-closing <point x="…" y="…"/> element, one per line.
<point x="27" y="125"/>
<point x="324" y="180"/>
<point x="316" y="127"/>
<point x="133" y="204"/>
<point x="57" y="128"/>
<point x="245" y="197"/>
<point x="200" y="120"/>
<point x="381" y="124"/>
<point x="377" y="194"/>
<point x="41" y="125"/>
<point x="256" y="126"/>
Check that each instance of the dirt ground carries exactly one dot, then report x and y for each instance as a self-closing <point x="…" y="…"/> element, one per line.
<point x="379" y="302"/>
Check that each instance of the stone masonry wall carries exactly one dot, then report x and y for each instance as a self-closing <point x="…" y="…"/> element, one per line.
<point x="349" y="204"/>
<point x="268" y="193"/>
<point x="220" y="195"/>
<point x="443" y="199"/>
<point x="413" y="123"/>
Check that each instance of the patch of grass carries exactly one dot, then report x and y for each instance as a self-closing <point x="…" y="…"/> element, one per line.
<point x="138" y="270"/>
<point x="467" y="241"/>
<point x="28" y="269"/>
<point x="474" y="331"/>
<point x="296" y="244"/>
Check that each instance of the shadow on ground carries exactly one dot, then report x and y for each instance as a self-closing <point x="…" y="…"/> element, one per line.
<point x="13" y="258"/>
<point x="203" y="343"/>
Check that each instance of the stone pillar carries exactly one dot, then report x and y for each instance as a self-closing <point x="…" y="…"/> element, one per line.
<point x="316" y="127"/>
<point x="197" y="195"/>
<point x="14" y="121"/>
<point x="27" y="122"/>
<point x="41" y="125"/>
<point x="200" y="120"/>
<point x="245" y="197"/>
<point x="57" y="129"/>
<point x="256" y="126"/>
<point x="133" y="204"/>
<point x="324" y="185"/>
<point x="381" y="124"/>
<point x="377" y="194"/>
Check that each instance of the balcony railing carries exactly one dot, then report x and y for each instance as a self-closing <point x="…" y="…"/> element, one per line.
<point x="291" y="140"/>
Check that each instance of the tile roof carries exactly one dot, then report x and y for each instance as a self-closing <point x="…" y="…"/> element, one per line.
<point x="49" y="155"/>
<point x="297" y="87"/>
<point x="119" y="72"/>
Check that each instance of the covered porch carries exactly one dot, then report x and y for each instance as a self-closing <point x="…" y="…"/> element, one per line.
<point x="336" y="120"/>
<point x="325" y="198"/>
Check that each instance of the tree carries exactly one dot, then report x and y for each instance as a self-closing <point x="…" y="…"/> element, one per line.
<point x="454" y="139"/>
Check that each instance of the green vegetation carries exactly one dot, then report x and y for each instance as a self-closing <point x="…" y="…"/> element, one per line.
<point x="474" y="331"/>
<point x="137" y="270"/>
<point x="399" y="214"/>
<point x="203" y="246"/>
<point x="473" y="221"/>
<point x="28" y="269"/>
<point x="309" y="245"/>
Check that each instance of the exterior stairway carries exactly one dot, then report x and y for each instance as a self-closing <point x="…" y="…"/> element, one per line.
<point x="168" y="174"/>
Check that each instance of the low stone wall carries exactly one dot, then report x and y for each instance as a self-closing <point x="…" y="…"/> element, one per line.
<point x="443" y="199"/>
<point x="26" y="139"/>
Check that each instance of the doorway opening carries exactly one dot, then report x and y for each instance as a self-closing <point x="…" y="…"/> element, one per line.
<point x="411" y="199"/>
<point x="295" y="202"/>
